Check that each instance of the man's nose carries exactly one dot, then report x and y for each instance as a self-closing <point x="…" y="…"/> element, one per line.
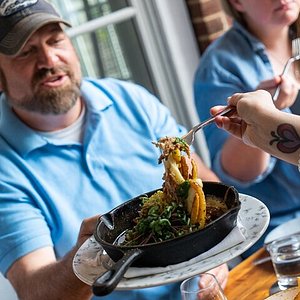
<point x="47" y="57"/>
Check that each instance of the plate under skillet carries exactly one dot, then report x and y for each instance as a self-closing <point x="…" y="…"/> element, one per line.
<point x="254" y="217"/>
<point x="287" y="228"/>
<point x="288" y="294"/>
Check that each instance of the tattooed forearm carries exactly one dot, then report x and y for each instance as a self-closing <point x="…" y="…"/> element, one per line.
<point x="286" y="138"/>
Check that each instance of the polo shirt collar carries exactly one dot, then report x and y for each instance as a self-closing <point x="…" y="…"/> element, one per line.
<point x="24" y="139"/>
<point x="21" y="137"/>
<point x="94" y="95"/>
<point x="255" y="43"/>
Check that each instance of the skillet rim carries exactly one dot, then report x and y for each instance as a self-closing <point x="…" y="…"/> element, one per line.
<point x="232" y="210"/>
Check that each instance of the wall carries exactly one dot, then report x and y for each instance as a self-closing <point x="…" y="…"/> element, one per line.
<point x="208" y="19"/>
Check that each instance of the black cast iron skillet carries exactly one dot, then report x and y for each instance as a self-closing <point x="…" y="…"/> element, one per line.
<point x="114" y="223"/>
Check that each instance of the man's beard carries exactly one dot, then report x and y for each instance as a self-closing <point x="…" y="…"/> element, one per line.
<point x="55" y="101"/>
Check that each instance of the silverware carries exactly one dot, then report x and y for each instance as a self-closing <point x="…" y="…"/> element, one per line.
<point x="295" y="56"/>
<point x="190" y="136"/>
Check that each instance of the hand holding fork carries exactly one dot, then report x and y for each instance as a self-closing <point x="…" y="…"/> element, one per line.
<point x="190" y="136"/>
<point x="228" y="111"/>
<point x="295" y="56"/>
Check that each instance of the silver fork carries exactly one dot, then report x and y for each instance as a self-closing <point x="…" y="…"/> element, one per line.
<point x="228" y="111"/>
<point x="295" y="56"/>
<point x="190" y="136"/>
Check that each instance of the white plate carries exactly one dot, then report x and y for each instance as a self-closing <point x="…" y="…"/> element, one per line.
<point x="288" y="294"/>
<point x="283" y="230"/>
<point x="254" y="216"/>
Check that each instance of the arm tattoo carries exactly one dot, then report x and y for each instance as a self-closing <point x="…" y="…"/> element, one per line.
<point x="286" y="138"/>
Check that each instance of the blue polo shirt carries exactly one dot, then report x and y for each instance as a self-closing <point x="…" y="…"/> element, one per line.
<point x="238" y="62"/>
<point x="48" y="186"/>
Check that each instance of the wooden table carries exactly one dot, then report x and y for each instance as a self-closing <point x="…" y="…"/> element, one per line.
<point x="247" y="281"/>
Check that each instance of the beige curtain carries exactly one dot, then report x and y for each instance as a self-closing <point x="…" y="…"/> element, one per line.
<point x="208" y="19"/>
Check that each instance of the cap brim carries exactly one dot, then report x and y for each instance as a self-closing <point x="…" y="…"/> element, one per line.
<point x="23" y="30"/>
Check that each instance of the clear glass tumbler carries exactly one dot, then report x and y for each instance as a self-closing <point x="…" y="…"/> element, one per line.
<point x="285" y="254"/>
<point x="201" y="287"/>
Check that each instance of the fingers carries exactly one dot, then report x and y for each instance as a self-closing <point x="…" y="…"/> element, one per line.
<point x="87" y="229"/>
<point x="250" y="100"/>
<point x="288" y="89"/>
<point x="269" y="84"/>
<point x="221" y="272"/>
<point x="88" y="225"/>
<point x="215" y="109"/>
<point x="223" y="275"/>
<point x="288" y="93"/>
<point x="233" y="125"/>
<point x="232" y="101"/>
<point x="249" y="106"/>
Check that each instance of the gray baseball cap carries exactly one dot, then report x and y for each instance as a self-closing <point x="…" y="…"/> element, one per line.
<point x="19" y="19"/>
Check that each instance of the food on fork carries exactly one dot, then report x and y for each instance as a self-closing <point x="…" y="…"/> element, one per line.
<point x="181" y="206"/>
<point x="181" y="175"/>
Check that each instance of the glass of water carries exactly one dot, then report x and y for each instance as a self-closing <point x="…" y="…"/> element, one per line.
<point x="202" y="287"/>
<point x="285" y="254"/>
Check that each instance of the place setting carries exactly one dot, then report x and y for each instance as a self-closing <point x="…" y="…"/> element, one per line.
<point x="232" y="223"/>
<point x="283" y="245"/>
<point x="91" y="260"/>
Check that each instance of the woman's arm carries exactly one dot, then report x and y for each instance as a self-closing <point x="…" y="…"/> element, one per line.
<point x="260" y="124"/>
<point x="204" y="172"/>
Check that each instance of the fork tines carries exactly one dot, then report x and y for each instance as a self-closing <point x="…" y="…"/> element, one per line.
<point x="296" y="47"/>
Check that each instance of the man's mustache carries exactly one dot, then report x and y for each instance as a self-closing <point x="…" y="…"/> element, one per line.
<point x="44" y="73"/>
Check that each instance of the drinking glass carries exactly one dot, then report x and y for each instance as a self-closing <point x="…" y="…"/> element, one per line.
<point x="285" y="254"/>
<point x="201" y="287"/>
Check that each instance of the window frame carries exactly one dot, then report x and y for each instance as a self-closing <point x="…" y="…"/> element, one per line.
<point x="172" y="52"/>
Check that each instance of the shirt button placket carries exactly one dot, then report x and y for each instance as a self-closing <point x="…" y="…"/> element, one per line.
<point x="94" y="165"/>
<point x="89" y="163"/>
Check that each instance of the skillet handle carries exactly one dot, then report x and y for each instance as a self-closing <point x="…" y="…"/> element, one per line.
<point x="107" y="281"/>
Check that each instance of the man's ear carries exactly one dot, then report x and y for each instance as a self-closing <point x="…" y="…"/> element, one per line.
<point x="237" y="5"/>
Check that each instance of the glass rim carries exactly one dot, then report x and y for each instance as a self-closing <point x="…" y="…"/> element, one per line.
<point x="282" y="240"/>
<point x="215" y="281"/>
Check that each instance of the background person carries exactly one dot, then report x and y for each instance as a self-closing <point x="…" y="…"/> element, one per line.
<point x="71" y="148"/>
<point x="249" y="56"/>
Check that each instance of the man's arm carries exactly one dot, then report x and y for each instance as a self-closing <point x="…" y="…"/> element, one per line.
<point x="38" y="275"/>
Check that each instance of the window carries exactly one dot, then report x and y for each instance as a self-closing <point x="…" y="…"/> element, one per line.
<point x="105" y="37"/>
<point x="150" y="42"/>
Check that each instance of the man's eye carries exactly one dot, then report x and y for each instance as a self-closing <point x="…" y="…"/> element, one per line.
<point x="25" y="53"/>
<point x="57" y="41"/>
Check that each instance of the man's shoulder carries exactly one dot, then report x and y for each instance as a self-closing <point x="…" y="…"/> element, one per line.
<point x="111" y="84"/>
<point x="118" y="91"/>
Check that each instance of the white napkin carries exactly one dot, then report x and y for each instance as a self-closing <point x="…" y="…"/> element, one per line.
<point x="235" y="237"/>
